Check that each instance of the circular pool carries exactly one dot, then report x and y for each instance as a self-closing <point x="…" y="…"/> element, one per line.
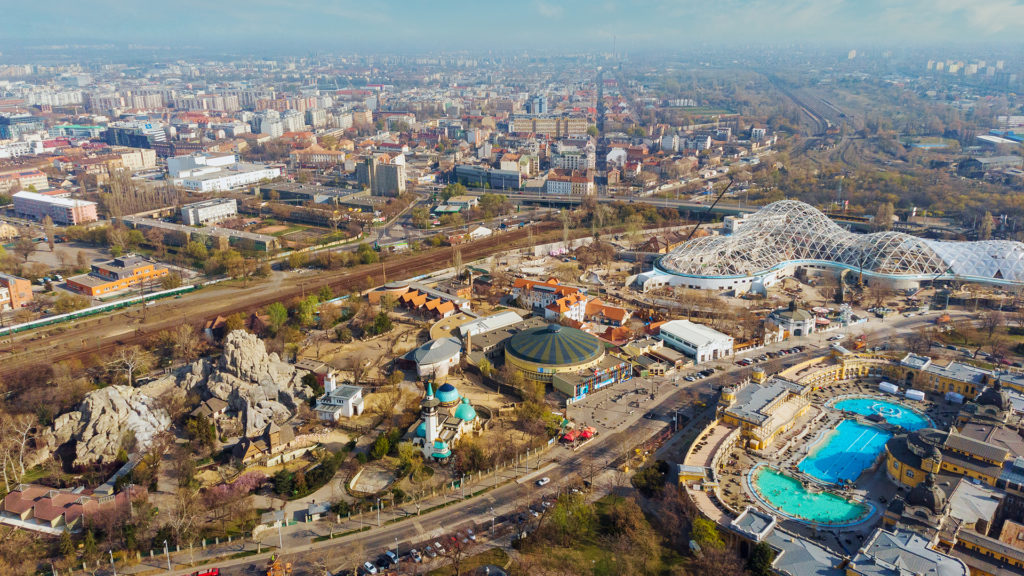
<point x="891" y="412"/>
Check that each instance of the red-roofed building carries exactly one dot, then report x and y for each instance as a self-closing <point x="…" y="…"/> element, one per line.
<point x="45" y="509"/>
<point x="606" y="314"/>
<point x="556" y="300"/>
<point x="572" y="306"/>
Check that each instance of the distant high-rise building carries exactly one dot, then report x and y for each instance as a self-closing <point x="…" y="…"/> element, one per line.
<point x="382" y="174"/>
<point x="12" y="126"/>
<point x="539" y="105"/>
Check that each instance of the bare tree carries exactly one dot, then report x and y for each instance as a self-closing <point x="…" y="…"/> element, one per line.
<point x="24" y="247"/>
<point x="49" y="230"/>
<point x="357" y="365"/>
<point x="129" y="361"/>
<point x="991" y="321"/>
<point x="186" y="342"/>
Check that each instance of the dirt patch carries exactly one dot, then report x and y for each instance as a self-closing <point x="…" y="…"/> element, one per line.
<point x="372" y="480"/>
<point x="271" y="229"/>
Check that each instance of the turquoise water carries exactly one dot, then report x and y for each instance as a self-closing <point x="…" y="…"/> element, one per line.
<point x="787" y="495"/>
<point x="893" y="413"/>
<point x="845" y="452"/>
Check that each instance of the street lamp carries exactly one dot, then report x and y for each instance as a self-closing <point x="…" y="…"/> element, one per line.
<point x="168" y="556"/>
<point x="112" y="567"/>
<point x="378" y="512"/>
<point x="397" y="557"/>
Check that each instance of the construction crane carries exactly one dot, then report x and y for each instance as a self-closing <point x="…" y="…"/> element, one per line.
<point x="710" y="208"/>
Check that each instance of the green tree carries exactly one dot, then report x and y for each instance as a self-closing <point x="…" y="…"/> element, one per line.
<point x="69" y="303"/>
<point x="760" y="561"/>
<point x="325" y="293"/>
<point x="366" y="254"/>
<point x="278" y="315"/>
<point x="171" y="281"/>
<point x="592" y="131"/>
<point x="382" y="323"/>
<point x="305" y="312"/>
<point x="485" y="367"/>
<point x="452" y="190"/>
<point x="284" y="482"/>
<point x="201" y="432"/>
<point x="420" y="217"/>
<point x="704" y="532"/>
<point x="67" y="546"/>
<point x="381" y="447"/>
<point x="197" y="250"/>
<point x="89" y="544"/>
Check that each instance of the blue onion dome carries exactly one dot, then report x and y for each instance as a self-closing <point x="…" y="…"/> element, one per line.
<point x="465" y="411"/>
<point x="421" y="430"/>
<point x="447" y="395"/>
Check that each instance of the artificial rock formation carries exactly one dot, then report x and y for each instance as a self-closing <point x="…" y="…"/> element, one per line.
<point x="104" y="420"/>
<point x="258" y="386"/>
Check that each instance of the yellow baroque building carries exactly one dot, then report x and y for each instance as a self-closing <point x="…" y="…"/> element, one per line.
<point x="763" y="409"/>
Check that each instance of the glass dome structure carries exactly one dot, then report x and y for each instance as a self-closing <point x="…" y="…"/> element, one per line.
<point x="790" y="232"/>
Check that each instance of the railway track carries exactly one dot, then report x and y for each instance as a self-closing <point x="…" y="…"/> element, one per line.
<point x="79" y="342"/>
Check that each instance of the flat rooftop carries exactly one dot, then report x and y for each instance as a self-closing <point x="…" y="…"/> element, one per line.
<point x="754" y="398"/>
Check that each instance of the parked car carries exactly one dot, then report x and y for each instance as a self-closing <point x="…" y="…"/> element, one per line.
<point x="391" y="556"/>
<point x="470" y="534"/>
<point x="543" y="481"/>
<point x="429" y="551"/>
<point x="438" y="547"/>
<point x="415" y="555"/>
<point x="369" y="568"/>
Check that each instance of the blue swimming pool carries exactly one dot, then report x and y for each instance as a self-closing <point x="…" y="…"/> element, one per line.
<point x="789" y="497"/>
<point x="893" y="413"/>
<point x="842" y="454"/>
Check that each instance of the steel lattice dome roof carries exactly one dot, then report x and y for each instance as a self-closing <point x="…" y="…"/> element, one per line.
<point x="555" y="345"/>
<point x="791" y="231"/>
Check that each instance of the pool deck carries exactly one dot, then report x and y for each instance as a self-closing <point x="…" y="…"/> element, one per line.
<point x="872" y="487"/>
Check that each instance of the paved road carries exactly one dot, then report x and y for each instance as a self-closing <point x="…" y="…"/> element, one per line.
<point x="620" y="429"/>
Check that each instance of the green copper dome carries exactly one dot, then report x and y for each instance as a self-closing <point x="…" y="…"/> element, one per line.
<point x="465" y="411"/>
<point x="555" y="345"/>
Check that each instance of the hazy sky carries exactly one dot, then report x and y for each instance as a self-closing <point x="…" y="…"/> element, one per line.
<point x="371" y="25"/>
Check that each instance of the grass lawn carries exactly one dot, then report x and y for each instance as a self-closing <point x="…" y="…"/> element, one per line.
<point x="495" y="556"/>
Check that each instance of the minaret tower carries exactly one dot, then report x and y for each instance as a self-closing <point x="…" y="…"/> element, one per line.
<point x="428" y="411"/>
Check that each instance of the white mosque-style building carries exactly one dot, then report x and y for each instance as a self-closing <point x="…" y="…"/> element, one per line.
<point x="444" y="418"/>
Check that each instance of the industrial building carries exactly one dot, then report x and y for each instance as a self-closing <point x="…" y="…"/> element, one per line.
<point x="209" y="211"/>
<point x="702" y="343"/>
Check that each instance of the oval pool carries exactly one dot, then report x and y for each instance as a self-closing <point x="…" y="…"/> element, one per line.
<point x="787" y="496"/>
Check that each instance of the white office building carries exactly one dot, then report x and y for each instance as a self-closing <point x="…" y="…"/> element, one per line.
<point x="702" y="343"/>
<point x="209" y="211"/>
<point x="238" y="176"/>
